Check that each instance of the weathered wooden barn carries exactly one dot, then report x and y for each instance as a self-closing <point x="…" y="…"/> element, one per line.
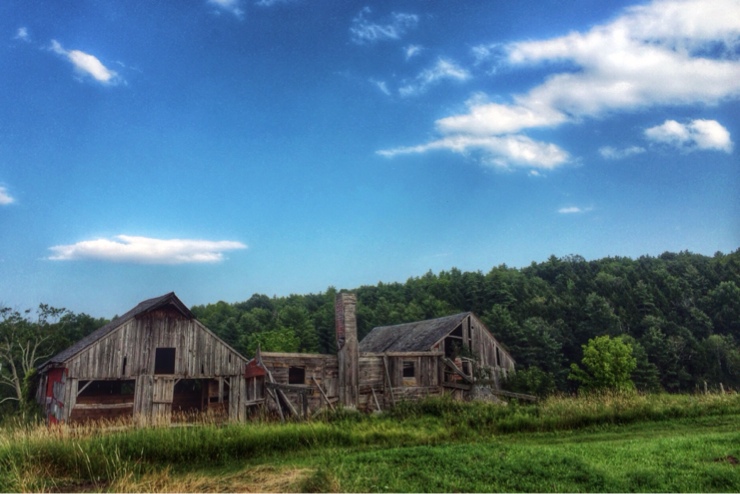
<point x="157" y="363"/>
<point x="455" y="354"/>
<point x="153" y="363"/>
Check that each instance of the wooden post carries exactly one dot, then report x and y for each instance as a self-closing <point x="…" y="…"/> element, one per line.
<point x="388" y="378"/>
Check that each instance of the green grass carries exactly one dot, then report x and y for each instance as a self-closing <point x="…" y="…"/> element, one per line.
<point x="601" y="443"/>
<point x="688" y="456"/>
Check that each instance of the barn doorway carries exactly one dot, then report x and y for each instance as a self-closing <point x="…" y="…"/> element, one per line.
<point x="194" y="397"/>
<point x="104" y="400"/>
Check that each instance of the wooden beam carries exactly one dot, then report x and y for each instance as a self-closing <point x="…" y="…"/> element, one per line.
<point x="375" y="397"/>
<point x="284" y="397"/>
<point x="273" y="394"/>
<point x="457" y="371"/>
<point x="388" y="377"/>
<point x="298" y="388"/>
<point x="331" y="407"/>
<point x="453" y="385"/>
<point x="103" y="406"/>
<point x="84" y="387"/>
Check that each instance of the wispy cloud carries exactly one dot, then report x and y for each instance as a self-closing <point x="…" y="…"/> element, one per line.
<point x="143" y="250"/>
<point x="5" y="197"/>
<point x="573" y="210"/>
<point x="231" y="6"/>
<point x="443" y="69"/>
<point x="364" y="31"/>
<point x="87" y="65"/>
<point x="22" y="34"/>
<point x="498" y="151"/>
<point x="270" y="3"/>
<point x="694" y="135"/>
<point x="612" y="153"/>
<point x="665" y="53"/>
<point x="412" y="51"/>
<point x="382" y="85"/>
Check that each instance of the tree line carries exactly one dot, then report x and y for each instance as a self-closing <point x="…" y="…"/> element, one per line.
<point x="678" y="312"/>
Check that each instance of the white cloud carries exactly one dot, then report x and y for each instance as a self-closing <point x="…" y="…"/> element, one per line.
<point x="612" y="153"/>
<point x="493" y="118"/>
<point x="363" y="31"/>
<point x="665" y="53"/>
<point x="694" y="135"/>
<point x="143" y="250"/>
<point x="87" y="65"/>
<point x="411" y="51"/>
<point x="443" y="69"/>
<point x="382" y="86"/>
<point x="230" y="6"/>
<point x="657" y="54"/>
<point x="500" y="151"/>
<point x="22" y="34"/>
<point x="573" y="210"/>
<point x="5" y="197"/>
<point x="270" y="3"/>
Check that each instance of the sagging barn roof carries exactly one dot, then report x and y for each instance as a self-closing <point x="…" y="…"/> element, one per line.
<point x="417" y="336"/>
<point x="169" y="299"/>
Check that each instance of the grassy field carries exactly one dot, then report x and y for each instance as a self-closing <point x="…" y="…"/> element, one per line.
<point x="612" y="443"/>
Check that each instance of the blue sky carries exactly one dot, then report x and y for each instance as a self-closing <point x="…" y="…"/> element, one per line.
<point x="220" y="148"/>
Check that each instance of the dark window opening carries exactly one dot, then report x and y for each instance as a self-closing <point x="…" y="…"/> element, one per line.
<point x="105" y="388"/>
<point x="188" y="386"/>
<point x="296" y="375"/>
<point x="164" y="361"/>
<point x="409" y="369"/>
<point x="123" y="370"/>
<point x="452" y="348"/>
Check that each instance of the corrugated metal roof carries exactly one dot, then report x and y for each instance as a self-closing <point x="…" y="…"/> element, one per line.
<point x="145" y="306"/>
<point x="417" y="336"/>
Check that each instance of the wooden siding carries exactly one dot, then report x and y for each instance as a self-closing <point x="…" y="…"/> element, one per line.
<point x="319" y="370"/>
<point x="129" y="352"/>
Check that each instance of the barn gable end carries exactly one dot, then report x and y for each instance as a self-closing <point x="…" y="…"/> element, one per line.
<point x="148" y="364"/>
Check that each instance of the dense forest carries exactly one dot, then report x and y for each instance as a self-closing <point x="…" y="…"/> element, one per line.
<point x="680" y="312"/>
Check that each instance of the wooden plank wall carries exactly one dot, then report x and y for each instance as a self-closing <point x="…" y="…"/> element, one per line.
<point x="489" y="351"/>
<point x="372" y="377"/>
<point x="323" y="368"/>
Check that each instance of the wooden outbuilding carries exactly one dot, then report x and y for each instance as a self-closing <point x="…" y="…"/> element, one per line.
<point x="153" y="363"/>
<point x="456" y="355"/>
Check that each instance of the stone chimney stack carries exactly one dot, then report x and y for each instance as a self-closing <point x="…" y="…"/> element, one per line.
<point x="348" y="349"/>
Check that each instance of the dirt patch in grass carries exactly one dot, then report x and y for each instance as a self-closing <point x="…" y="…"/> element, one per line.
<point x="727" y="459"/>
<point x="263" y="478"/>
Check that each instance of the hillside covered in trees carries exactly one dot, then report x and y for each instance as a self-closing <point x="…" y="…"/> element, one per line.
<point x="680" y="312"/>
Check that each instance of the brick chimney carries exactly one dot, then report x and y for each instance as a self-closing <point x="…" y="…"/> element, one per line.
<point x="348" y="349"/>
